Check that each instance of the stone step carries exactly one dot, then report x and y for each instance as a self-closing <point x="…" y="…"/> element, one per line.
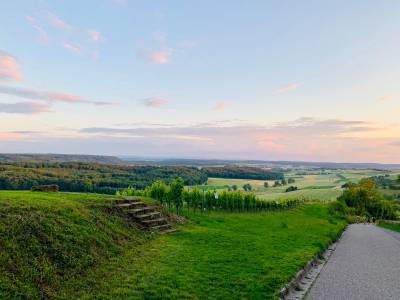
<point x="126" y="200"/>
<point x="160" y="227"/>
<point x="131" y="205"/>
<point x="148" y="216"/>
<point x="141" y="210"/>
<point x="167" y="231"/>
<point x="154" y="222"/>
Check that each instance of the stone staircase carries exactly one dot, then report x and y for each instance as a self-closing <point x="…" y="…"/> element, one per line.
<point x="145" y="216"/>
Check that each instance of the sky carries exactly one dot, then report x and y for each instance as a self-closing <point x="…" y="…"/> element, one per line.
<point x="273" y="80"/>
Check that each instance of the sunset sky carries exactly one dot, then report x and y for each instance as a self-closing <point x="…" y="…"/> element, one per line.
<point x="275" y="80"/>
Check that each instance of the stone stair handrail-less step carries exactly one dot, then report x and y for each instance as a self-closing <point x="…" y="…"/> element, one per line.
<point x="147" y="217"/>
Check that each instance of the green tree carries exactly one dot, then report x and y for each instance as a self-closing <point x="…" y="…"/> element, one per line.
<point x="247" y="187"/>
<point x="176" y="190"/>
<point x="234" y="187"/>
<point x="266" y="185"/>
<point x="277" y="183"/>
<point x="291" y="180"/>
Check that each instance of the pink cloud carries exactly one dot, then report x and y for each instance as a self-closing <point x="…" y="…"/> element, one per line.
<point x="287" y="88"/>
<point x="95" y="36"/>
<point x="9" y="136"/>
<point x="42" y="37"/>
<point x="220" y="106"/>
<point x="73" y="48"/>
<point x="154" y="102"/>
<point x="9" y="68"/>
<point x="47" y="96"/>
<point x="63" y="97"/>
<point x="58" y="23"/>
<point x="157" y="57"/>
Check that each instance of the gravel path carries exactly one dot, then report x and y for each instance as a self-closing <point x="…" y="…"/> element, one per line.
<point x="365" y="265"/>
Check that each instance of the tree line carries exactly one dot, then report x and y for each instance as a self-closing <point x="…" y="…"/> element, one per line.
<point x="243" y="172"/>
<point x="91" y="177"/>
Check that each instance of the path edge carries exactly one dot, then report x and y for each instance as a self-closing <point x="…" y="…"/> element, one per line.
<point x="309" y="272"/>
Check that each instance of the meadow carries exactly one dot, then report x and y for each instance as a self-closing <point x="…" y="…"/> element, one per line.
<point x="313" y="185"/>
<point x="72" y="246"/>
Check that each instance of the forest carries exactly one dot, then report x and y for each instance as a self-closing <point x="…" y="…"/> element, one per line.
<point x="91" y="177"/>
<point x="241" y="172"/>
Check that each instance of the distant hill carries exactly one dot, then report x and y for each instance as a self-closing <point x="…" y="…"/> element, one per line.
<point x="258" y="163"/>
<point x="12" y="157"/>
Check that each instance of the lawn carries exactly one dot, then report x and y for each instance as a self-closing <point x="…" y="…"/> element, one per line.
<point x="226" y="256"/>
<point x="394" y="227"/>
<point x="69" y="246"/>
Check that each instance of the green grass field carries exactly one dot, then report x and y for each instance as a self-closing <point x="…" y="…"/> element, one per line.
<point x="394" y="227"/>
<point x="311" y="185"/>
<point x="70" y="246"/>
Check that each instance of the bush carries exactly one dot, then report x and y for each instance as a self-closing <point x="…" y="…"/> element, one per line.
<point x="366" y="200"/>
<point x="291" y="189"/>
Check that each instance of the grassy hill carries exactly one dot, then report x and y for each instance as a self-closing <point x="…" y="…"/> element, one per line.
<point x="70" y="246"/>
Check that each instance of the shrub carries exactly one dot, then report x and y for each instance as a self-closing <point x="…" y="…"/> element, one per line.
<point x="291" y="189"/>
<point x="366" y="200"/>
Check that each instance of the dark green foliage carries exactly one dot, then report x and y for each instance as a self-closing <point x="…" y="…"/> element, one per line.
<point x="242" y="173"/>
<point x="247" y="187"/>
<point x="266" y="185"/>
<point x="277" y="183"/>
<point x="386" y="183"/>
<point x="91" y="177"/>
<point x="175" y="193"/>
<point x="366" y="200"/>
<point x="291" y="180"/>
<point x="45" y="188"/>
<point x="291" y="189"/>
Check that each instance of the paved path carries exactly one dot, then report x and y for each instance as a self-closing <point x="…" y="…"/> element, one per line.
<point x="365" y="265"/>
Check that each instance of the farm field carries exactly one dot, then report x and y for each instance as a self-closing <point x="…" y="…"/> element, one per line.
<point x="213" y="255"/>
<point x="324" y="186"/>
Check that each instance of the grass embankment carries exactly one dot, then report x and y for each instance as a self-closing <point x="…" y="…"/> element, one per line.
<point x="67" y="246"/>
<point x="394" y="227"/>
<point x="48" y="240"/>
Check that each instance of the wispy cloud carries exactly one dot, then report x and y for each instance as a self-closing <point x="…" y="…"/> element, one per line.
<point x="287" y="88"/>
<point x="301" y="139"/>
<point x="76" y="49"/>
<point x="9" y="67"/>
<point x="24" y="108"/>
<point x="159" y="57"/>
<point x="42" y="36"/>
<point x="220" y="106"/>
<point x="95" y="36"/>
<point x="154" y="102"/>
<point x="58" y="23"/>
<point x="78" y="40"/>
<point x="48" y="96"/>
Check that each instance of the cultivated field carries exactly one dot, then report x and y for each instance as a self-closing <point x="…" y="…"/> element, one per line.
<point x="323" y="186"/>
